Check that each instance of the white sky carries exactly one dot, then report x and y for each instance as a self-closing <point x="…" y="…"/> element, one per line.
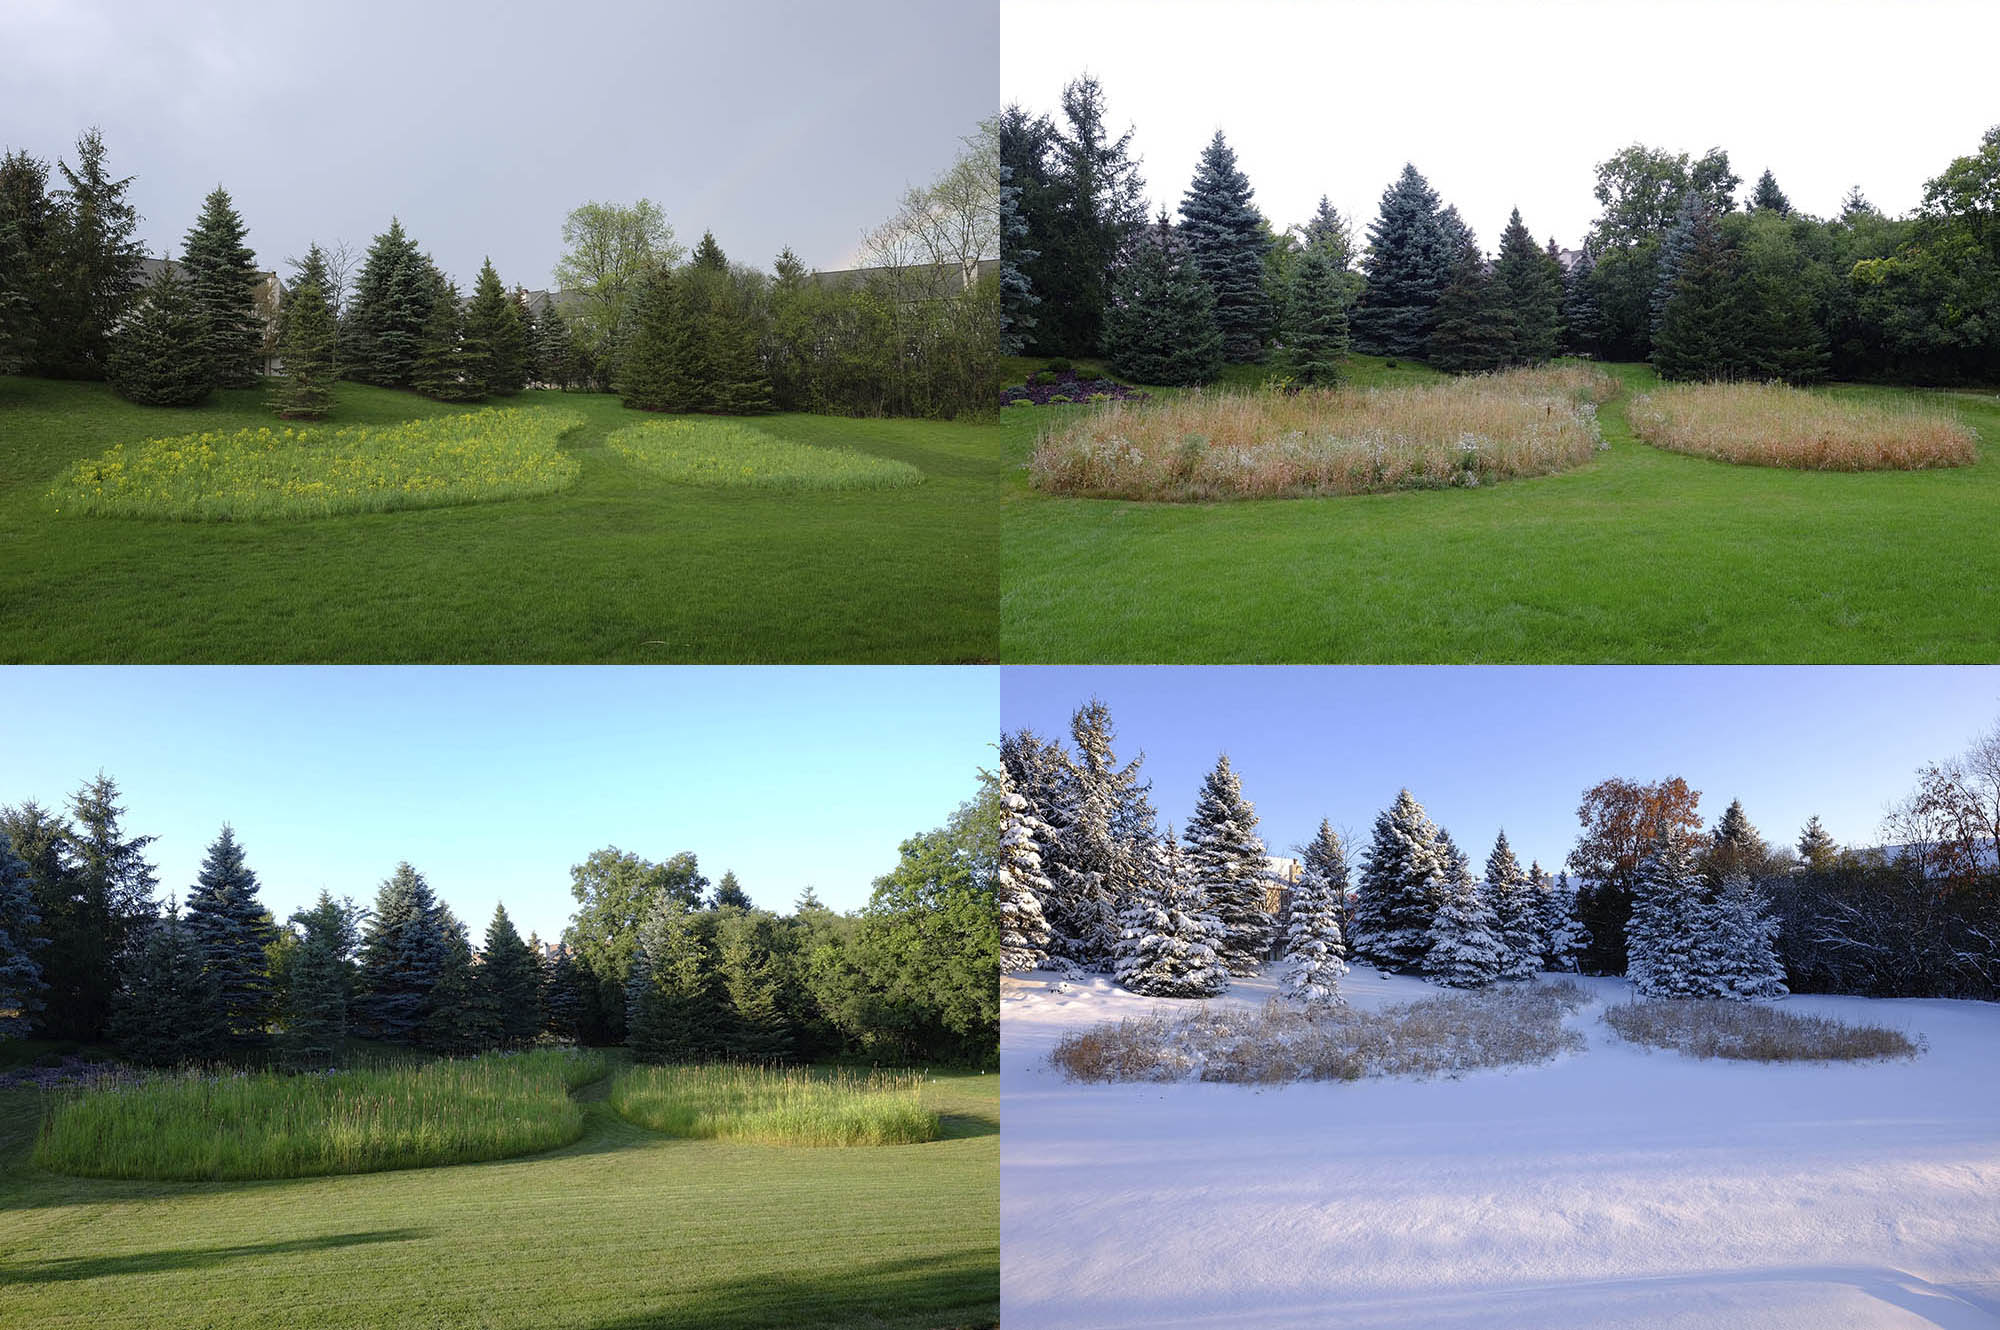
<point x="1502" y="104"/>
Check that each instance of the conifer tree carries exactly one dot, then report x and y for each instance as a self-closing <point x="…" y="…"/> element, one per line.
<point x="307" y="349"/>
<point x="1327" y="231"/>
<point x="669" y="1016"/>
<point x="1700" y="336"/>
<point x="315" y="1016"/>
<point x="1668" y="915"/>
<point x="1094" y="202"/>
<point x="21" y="986"/>
<point x="751" y="983"/>
<point x="729" y="893"/>
<point x="493" y="324"/>
<point x="1769" y="197"/>
<point x="555" y="352"/>
<point x="1229" y="863"/>
<point x="1316" y="332"/>
<point x="390" y="312"/>
<point x="230" y="926"/>
<point x="159" y="355"/>
<point x="1020" y="883"/>
<point x="655" y="371"/>
<point x="1107" y="825"/>
<point x="509" y="983"/>
<point x="1517" y="914"/>
<point x="1315" y="948"/>
<point x="100" y="897"/>
<point x="1736" y="954"/>
<point x="737" y="384"/>
<point x="1675" y="245"/>
<point x="1393" y="897"/>
<point x="1017" y="294"/>
<point x="1041" y="774"/>
<point x="1461" y="947"/>
<point x="1474" y="331"/>
<point x="167" y="1010"/>
<point x="1562" y="932"/>
<point x="451" y="365"/>
<point x="221" y="272"/>
<point x="1816" y="847"/>
<point x="401" y="957"/>
<point x="26" y="213"/>
<point x="1227" y="238"/>
<point x="1170" y="943"/>
<point x="1529" y="285"/>
<point x="1409" y="263"/>
<point x="458" y="1022"/>
<point x="92" y="255"/>
<point x="1159" y="323"/>
<point x="562" y="996"/>
<point x="1583" y="320"/>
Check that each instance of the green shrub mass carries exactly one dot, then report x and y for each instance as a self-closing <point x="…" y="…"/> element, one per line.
<point x="796" y="1106"/>
<point x="723" y="453"/>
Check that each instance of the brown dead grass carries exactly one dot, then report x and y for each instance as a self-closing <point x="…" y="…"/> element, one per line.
<point x="1770" y="424"/>
<point x="1268" y="444"/>
<point x="1711" y="1028"/>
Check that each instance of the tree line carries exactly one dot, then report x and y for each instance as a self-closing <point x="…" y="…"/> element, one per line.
<point x="656" y="957"/>
<point x="1674" y="270"/>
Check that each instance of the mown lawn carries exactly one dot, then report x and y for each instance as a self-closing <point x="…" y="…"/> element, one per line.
<point x="624" y="1229"/>
<point x="621" y="567"/>
<point x="1637" y="556"/>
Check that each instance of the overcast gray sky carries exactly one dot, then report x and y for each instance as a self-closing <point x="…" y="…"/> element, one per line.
<point x="482" y="122"/>
<point x="1503" y="104"/>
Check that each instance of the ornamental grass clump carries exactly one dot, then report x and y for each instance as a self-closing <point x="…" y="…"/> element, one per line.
<point x="1771" y="424"/>
<point x="777" y="1106"/>
<point x="1715" y="1028"/>
<point x="213" y="1125"/>
<point x="725" y="453"/>
<point x="318" y="471"/>
<point x="1271" y="444"/>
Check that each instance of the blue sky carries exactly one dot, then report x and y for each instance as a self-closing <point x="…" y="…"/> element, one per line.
<point x="1484" y="748"/>
<point x="494" y="781"/>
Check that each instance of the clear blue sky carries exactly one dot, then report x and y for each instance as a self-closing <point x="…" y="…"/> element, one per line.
<point x="494" y="781"/>
<point x="1485" y="747"/>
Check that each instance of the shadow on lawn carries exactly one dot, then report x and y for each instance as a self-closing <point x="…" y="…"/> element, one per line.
<point x="950" y="1291"/>
<point x="66" y="1268"/>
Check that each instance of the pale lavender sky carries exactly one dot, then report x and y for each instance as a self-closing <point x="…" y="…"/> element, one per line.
<point x="483" y="122"/>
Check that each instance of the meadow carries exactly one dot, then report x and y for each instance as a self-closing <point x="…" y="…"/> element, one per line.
<point x="1711" y="1028"/>
<point x="620" y="1229"/>
<point x="724" y="452"/>
<point x="1639" y="555"/>
<point x="778" y="1105"/>
<point x="618" y="566"/>
<point x="1770" y="424"/>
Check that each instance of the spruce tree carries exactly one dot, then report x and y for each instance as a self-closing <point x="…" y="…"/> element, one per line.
<point x="1517" y="914"/>
<point x="390" y="312"/>
<point x="1316" y="325"/>
<point x="1092" y="205"/>
<point x="728" y="893"/>
<point x="1474" y="331"/>
<point x="669" y="1016"/>
<point x="494" y="324"/>
<point x="1315" y="947"/>
<point x="1461" y="947"/>
<point x="1700" y="336"/>
<point x="555" y="352"/>
<point x="1668" y="914"/>
<point x="221" y="272"/>
<point x="159" y="355"/>
<point x="92" y="254"/>
<point x="1227" y="238"/>
<point x="654" y="372"/>
<point x="1563" y="936"/>
<point x="1106" y="829"/>
<point x="1738" y="955"/>
<point x="21" y="986"/>
<point x="1675" y="245"/>
<point x="1583" y="319"/>
<point x="230" y="925"/>
<point x="1327" y="231"/>
<point x="1393" y="893"/>
<point x="26" y="212"/>
<point x="1170" y="944"/>
<point x="1816" y="847"/>
<point x="104" y="899"/>
<point x="1020" y="884"/>
<point x="509" y="983"/>
<point x="1230" y="865"/>
<point x="1160" y="324"/>
<point x="1409" y="263"/>
<point x="1768" y="197"/>
<point x="1529" y="286"/>
<point x="1017" y="294"/>
<point x="458" y="1022"/>
<point x="738" y="384"/>
<point x="307" y="350"/>
<point x="562" y="996"/>
<point x="751" y="985"/>
<point x="451" y="365"/>
<point x="167" y="1010"/>
<point x="314" y="1034"/>
<point x="401" y="957"/>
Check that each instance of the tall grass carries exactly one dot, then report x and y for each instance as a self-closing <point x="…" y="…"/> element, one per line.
<point x="1713" y="1028"/>
<point x="1770" y="424"/>
<point x="316" y="471"/>
<point x="1269" y="444"/>
<point x="201" y="1126"/>
<point x="777" y="1106"/>
<point x="726" y="453"/>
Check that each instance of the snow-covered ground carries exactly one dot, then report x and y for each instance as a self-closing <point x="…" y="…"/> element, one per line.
<point x="1619" y="1187"/>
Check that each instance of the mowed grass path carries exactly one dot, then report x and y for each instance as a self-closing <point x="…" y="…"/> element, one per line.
<point x="1639" y="555"/>
<point x="621" y="567"/>
<point x="624" y="1229"/>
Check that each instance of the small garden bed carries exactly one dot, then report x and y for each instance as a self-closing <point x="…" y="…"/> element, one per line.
<point x="1049" y="387"/>
<point x="1770" y="424"/>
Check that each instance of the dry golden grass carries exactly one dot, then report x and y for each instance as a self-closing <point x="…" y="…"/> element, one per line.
<point x="1770" y="424"/>
<point x="1265" y="444"/>
<point x="1712" y="1028"/>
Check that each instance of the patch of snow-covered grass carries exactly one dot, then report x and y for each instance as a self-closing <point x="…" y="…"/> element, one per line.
<point x="1712" y="1028"/>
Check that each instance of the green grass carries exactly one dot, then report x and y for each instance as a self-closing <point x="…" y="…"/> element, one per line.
<point x="729" y="454"/>
<point x="1640" y="555"/>
<point x="196" y="1125"/>
<point x="623" y="1229"/>
<point x="290" y="471"/>
<point x="618" y="567"/>
<point x="777" y="1106"/>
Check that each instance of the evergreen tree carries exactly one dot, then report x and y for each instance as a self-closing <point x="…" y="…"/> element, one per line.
<point x="1394" y="900"/>
<point x="669" y="1016"/>
<point x="106" y="899"/>
<point x="1316" y="332"/>
<point x="729" y="893"/>
<point x="1169" y="943"/>
<point x="1855" y="204"/>
<point x="1160" y="325"/>
<point x="390" y="314"/>
<point x="221" y="272"/>
<point x="492" y="322"/>
<point x="458" y="1021"/>
<point x="735" y="382"/>
<point x="1473" y="332"/>
<point x="1563" y="936"/>
<point x="159" y="355"/>
<point x="654" y="374"/>
<point x="563" y="996"/>
<point x="168" y="1010"/>
<point x="1675" y="246"/>
<point x="1315" y="947"/>
<point x="555" y="350"/>
<point x="708" y="256"/>
<point x="401" y="957"/>
<point x="315" y="1018"/>
<point x="1816" y="847"/>
<point x="451" y="366"/>
<point x="92" y="255"/>
<point x="232" y="929"/>
<point x="1092" y="205"/>
<point x="1769" y="197"/>
<point x="1668" y="918"/>
<point x="1462" y="948"/>
<point x="1229" y="864"/>
<point x="21" y="985"/>
<point x="1409" y="263"/>
<point x="307" y="349"/>
<point x="1327" y="231"/>
<point x="1583" y="320"/>
<point x="1528" y="283"/>
<point x="1778" y="291"/>
<point x="1227" y="239"/>
<point x="1106" y="825"/>
<point x="1742" y="961"/>
<point x="1735" y="846"/>
<point x="26" y="214"/>
<point x="752" y="984"/>
<point x="1517" y="913"/>
<point x="1017" y="293"/>
<point x="1700" y="336"/>
<point x="509" y="983"/>
<point x="1020" y="885"/>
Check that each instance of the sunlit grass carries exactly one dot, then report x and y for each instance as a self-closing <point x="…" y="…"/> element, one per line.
<point x="316" y="471"/>
<point x="1770" y="424"/>
<point x="201" y="1126"/>
<point x="777" y="1106"/>
<point x="726" y="453"/>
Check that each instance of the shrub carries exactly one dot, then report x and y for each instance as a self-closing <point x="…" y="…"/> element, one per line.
<point x="725" y="453"/>
<point x="1060" y="365"/>
<point x="1714" y="1028"/>
<point x="1770" y="424"/>
<point x="777" y="1106"/>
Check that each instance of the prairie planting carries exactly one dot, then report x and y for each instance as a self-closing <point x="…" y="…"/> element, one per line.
<point x="1770" y="424"/>
<point x="1711" y="1028"/>
<point x="778" y="1106"/>
<point x="197" y="1125"/>
<point x="1268" y="444"/>
<point x="292" y="471"/>
<point x="725" y="453"/>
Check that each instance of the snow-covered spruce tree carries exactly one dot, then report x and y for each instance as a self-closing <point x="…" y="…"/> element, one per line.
<point x="1517" y="912"/>
<point x="1408" y="264"/>
<point x="1739" y="957"/>
<point x="1169" y="943"/>
<point x="21" y="985"/>
<point x="1816" y="848"/>
<point x="232" y="928"/>
<point x="167" y="1009"/>
<point x="492" y="321"/>
<point x="508" y="981"/>
<point x="401" y="955"/>
<point x="1022" y="886"/>
<point x="669" y="1011"/>
<point x="1316" y="319"/>
<point x="1228" y="239"/>
<point x="1315" y="948"/>
<point x="159" y="354"/>
<point x="1159" y="321"/>
<point x="1040" y="773"/>
<point x="1230" y="865"/>
<point x="1393" y="905"/>
<point x="1529" y="286"/>
<point x="1668" y="917"/>
<point x="1111" y="824"/>
<point x="222" y="277"/>
<point x="315" y="1016"/>
<point x="1461" y="947"/>
<point x="1563" y="936"/>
